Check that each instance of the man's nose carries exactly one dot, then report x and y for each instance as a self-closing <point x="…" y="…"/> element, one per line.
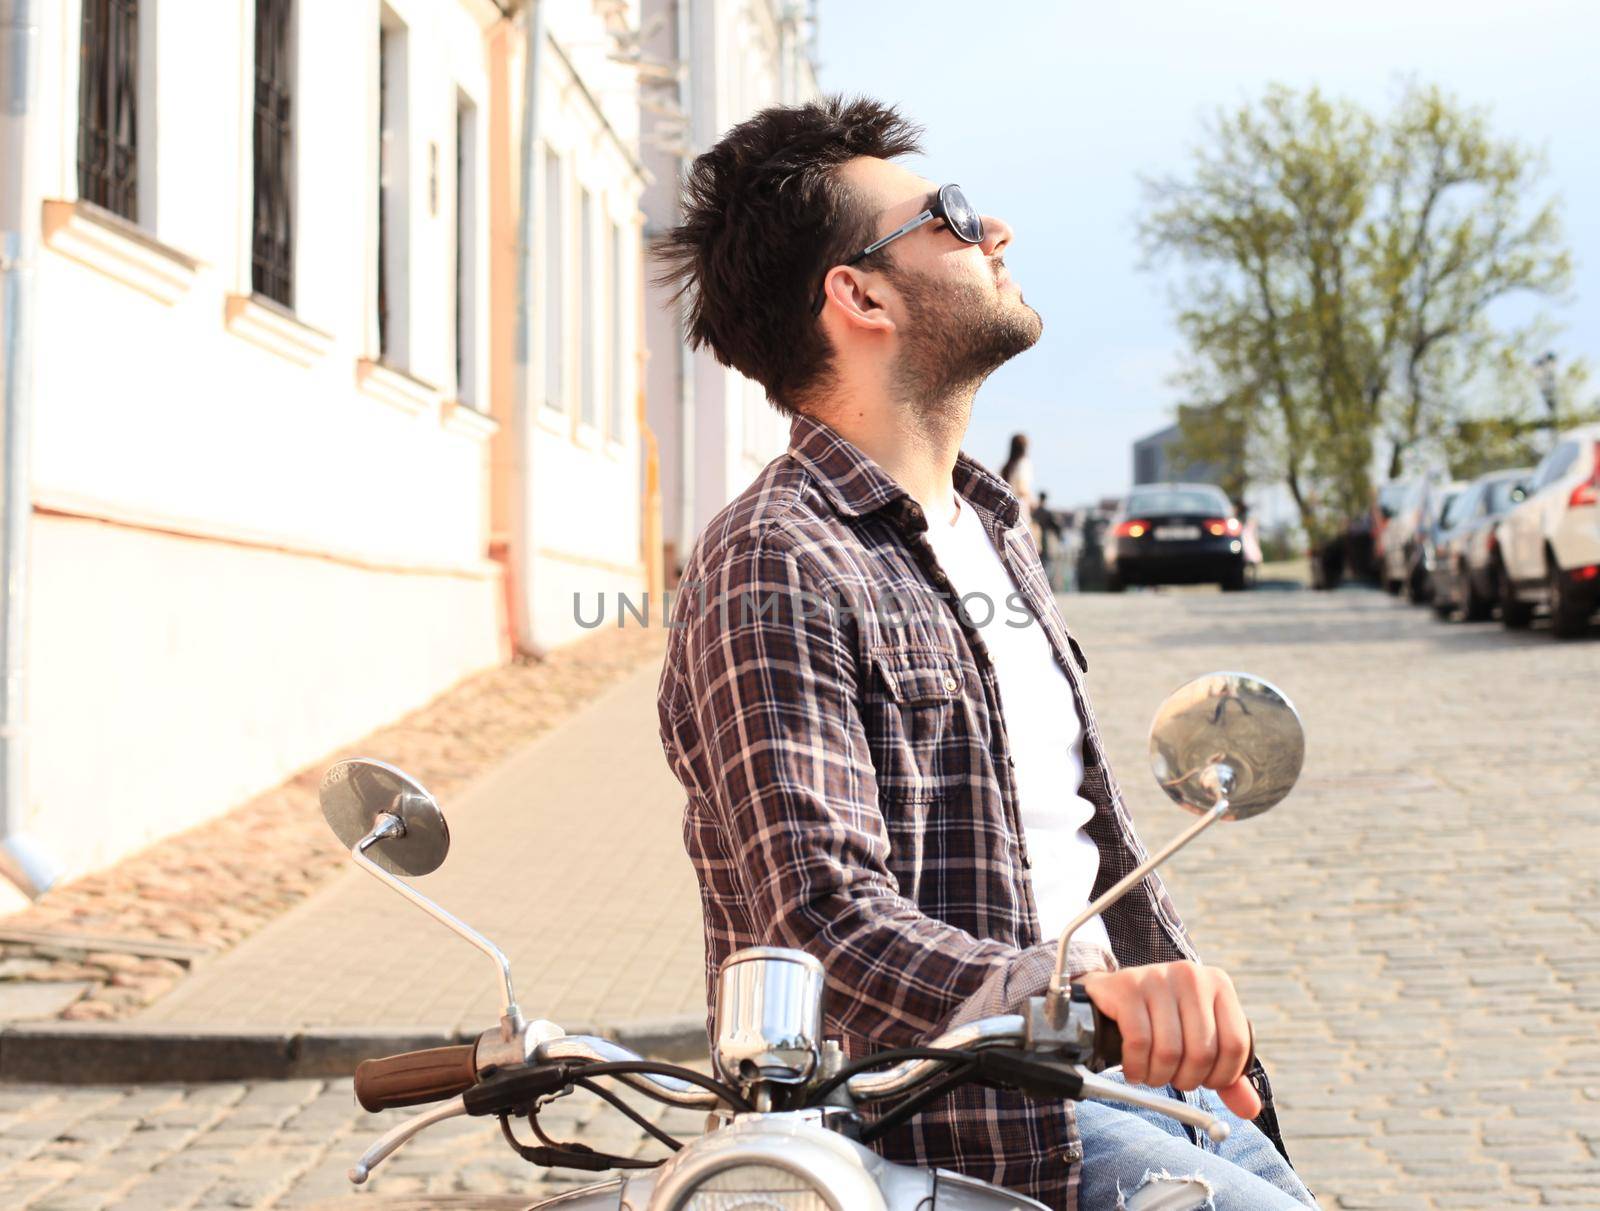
<point x="996" y="235"/>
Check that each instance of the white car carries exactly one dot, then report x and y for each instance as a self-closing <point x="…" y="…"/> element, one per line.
<point x="1550" y="543"/>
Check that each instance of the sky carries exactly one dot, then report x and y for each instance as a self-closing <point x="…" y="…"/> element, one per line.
<point x="1047" y="113"/>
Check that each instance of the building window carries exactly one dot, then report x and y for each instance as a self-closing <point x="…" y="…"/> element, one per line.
<point x="466" y="250"/>
<point x="554" y="282"/>
<point x="272" y="227"/>
<point x="392" y="194"/>
<point x="587" y="336"/>
<point x="108" y="92"/>
<point x="617" y="309"/>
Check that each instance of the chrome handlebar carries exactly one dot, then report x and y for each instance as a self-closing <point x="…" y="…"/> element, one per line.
<point x="986" y="1032"/>
<point x="667" y="1089"/>
<point x="1005" y="1030"/>
<point x="1008" y="1029"/>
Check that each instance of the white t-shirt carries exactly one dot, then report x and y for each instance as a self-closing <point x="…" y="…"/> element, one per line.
<point x="1041" y="720"/>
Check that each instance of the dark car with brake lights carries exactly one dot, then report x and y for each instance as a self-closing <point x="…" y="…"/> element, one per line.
<point x="1175" y="534"/>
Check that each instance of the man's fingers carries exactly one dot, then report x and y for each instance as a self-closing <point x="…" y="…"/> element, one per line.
<point x="1233" y="1039"/>
<point x="1196" y="998"/>
<point x="1134" y="1024"/>
<point x="1240" y="1097"/>
<point x="1166" y="1033"/>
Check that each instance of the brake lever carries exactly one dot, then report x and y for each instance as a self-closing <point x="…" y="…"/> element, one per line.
<point x="390" y="1140"/>
<point x="1112" y="1091"/>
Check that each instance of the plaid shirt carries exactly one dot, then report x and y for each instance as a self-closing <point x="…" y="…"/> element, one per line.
<point x="836" y="723"/>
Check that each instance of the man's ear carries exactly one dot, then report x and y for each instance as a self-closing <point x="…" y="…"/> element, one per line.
<point x="856" y="304"/>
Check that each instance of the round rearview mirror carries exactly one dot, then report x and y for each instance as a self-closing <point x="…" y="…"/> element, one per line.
<point x="1227" y="735"/>
<point x="355" y="793"/>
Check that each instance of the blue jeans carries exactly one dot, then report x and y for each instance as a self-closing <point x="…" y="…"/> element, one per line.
<point x="1123" y="1146"/>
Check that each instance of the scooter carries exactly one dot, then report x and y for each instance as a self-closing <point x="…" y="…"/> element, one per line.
<point x="787" y="1130"/>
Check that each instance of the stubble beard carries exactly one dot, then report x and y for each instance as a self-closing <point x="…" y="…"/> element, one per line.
<point x="961" y="334"/>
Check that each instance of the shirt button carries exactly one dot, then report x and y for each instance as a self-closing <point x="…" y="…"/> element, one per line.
<point x="950" y="684"/>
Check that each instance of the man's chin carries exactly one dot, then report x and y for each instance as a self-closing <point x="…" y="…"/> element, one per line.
<point x="1028" y="323"/>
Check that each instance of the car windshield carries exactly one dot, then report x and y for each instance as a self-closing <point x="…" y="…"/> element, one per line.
<point x="1500" y="495"/>
<point x="1457" y="508"/>
<point x="1180" y="500"/>
<point x="1395" y="496"/>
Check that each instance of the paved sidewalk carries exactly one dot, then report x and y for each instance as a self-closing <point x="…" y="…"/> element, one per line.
<point x="569" y="856"/>
<point x="102" y="947"/>
<point x="284" y="1145"/>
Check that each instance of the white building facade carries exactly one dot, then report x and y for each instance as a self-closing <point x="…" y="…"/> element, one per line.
<point x="260" y="457"/>
<point x="714" y="428"/>
<point x="569" y="321"/>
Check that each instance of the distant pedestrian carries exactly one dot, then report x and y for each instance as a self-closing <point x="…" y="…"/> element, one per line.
<point x="1249" y="534"/>
<point x="1018" y="474"/>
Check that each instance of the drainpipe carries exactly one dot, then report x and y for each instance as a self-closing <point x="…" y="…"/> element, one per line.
<point x="687" y="443"/>
<point x="20" y="860"/>
<point x="525" y="402"/>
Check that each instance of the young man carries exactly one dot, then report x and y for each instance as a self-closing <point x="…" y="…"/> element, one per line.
<point x="914" y="792"/>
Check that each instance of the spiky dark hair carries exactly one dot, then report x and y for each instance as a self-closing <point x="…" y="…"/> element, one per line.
<point x="765" y="214"/>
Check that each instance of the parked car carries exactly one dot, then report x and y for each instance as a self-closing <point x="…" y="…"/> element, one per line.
<point x="1466" y="571"/>
<point x="1436" y="501"/>
<point x="1389" y="503"/>
<point x="1550" y="543"/>
<point x="1175" y="534"/>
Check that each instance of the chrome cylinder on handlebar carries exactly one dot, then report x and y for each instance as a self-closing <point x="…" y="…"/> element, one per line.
<point x="769" y="1016"/>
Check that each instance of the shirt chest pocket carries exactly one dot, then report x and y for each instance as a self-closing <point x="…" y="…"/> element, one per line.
<point x="914" y="714"/>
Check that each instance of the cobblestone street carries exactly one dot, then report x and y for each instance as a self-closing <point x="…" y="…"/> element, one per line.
<point x="1415" y="933"/>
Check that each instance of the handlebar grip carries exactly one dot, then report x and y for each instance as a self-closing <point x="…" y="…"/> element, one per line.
<point x="1107" y="1042"/>
<point x="416" y="1076"/>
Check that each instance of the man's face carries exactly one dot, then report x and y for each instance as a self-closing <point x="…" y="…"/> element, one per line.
<point x="958" y="313"/>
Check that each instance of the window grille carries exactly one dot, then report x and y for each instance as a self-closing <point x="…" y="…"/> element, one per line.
<point x="272" y="230"/>
<point x="108" y="93"/>
<point x="384" y="168"/>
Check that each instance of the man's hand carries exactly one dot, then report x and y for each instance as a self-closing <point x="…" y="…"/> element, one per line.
<point x="1182" y="1025"/>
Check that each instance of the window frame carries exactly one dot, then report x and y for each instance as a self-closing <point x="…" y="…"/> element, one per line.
<point x="588" y="302"/>
<point x="616" y="404"/>
<point x="393" y="217"/>
<point x="553" y="283"/>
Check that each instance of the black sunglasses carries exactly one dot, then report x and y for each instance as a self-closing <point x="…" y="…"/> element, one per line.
<point x="950" y="206"/>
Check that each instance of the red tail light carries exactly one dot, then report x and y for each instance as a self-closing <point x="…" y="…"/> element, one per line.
<point x="1588" y="492"/>
<point x="1588" y="573"/>
<point x="1133" y="528"/>
<point x="1220" y="527"/>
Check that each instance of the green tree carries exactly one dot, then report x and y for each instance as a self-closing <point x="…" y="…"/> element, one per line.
<point x="1511" y="423"/>
<point x="1338" y="270"/>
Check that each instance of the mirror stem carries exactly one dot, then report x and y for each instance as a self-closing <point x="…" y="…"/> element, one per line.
<point x="1056" y="1001"/>
<point x="388" y="825"/>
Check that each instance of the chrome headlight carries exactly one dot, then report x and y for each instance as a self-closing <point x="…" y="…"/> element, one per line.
<point x="781" y="1162"/>
<point x="755" y="1188"/>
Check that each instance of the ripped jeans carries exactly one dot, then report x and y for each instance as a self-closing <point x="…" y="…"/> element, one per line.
<point x="1124" y="1146"/>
